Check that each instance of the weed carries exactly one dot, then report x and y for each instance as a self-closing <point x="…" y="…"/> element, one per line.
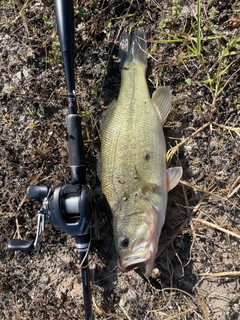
<point x="163" y="23"/>
<point x="199" y="46"/>
<point x="221" y="67"/>
<point x="82" y="13"/>
<point x="107" y="28"/>
<point x="47" y="22"/>
<point x="30" y="112"/>
<point x="9" y="89"/>
<point x="31" y="125"/>
<point x="85" y="116"/>
<point x="213" y="13"/>
<point x="195" y="162"/>
<point x="55" y="54"/>
<point x="217" y="76"/>
<point x="94" y="4"/>
<point x="237" y="103"/>
<point x="176" y="8"/>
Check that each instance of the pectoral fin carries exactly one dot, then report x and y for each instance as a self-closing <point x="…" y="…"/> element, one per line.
<point x="173" y="176"/>
<point x="145" y="186"/>
<point x="162" y="101"/>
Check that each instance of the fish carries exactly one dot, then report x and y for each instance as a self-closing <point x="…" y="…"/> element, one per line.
<point x="134" y="178"/>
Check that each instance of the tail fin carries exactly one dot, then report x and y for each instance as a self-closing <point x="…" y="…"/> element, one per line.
<point x="133" y="48"/>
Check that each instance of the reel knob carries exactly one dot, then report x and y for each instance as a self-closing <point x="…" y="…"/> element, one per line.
<point x="37" y="192"/>
<point x="19" y="244"/>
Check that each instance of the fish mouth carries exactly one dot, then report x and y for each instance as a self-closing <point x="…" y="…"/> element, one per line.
<point x="143" y="251"/>
<point x="140" y="263"/>
<point x="141" y="258"/>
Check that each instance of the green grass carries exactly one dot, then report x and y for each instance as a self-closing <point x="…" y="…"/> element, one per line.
<point x="191" y="48"/>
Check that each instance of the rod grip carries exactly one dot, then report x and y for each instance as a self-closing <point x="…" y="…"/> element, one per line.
<point x="77" y="162"/>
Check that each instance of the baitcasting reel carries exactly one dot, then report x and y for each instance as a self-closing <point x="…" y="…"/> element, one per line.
<point x="69" y="208"/>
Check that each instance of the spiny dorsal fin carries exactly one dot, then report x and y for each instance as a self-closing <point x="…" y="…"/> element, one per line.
<point x="162" y="101"/>
<point x="173" y="176"/>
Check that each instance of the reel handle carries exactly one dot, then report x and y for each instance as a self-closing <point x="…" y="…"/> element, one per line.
<point x="37" y="192"/>
<point x="19" y="244"/>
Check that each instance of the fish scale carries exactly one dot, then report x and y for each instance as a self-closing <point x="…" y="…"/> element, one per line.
<point x="132" y="129"/>
<point x="133" y="163"/>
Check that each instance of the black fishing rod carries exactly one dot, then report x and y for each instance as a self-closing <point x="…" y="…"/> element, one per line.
<point x="65" y="25"/>
<point x="69" y="207"/>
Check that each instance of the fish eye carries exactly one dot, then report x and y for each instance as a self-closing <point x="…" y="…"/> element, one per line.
<point x="124" y="242"/>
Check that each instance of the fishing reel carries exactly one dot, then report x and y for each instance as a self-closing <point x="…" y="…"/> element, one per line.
<point x="69" y="207"/>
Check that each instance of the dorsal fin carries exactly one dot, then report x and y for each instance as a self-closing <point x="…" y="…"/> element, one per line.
<point x="162" y="101"/>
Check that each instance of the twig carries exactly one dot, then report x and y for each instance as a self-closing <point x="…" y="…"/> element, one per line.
<point x="186" y="199"/>
<point x="199" y="38"/>
<point x="203" y="304"/>
<point x="125" y="312"/>
<point x="177" y="316"/>
<point x="216" y="226"/>
<point x="45" y="288"/>
<point x="221" y="274"/>
<point x="173" y="290"/>
<point x="200" y="202"/>
<point x="214" y="195"/>
<point x="17" y="227"/>
<point x="235" y="129"/>
<point x="235" y="189"/>
<point x="173" y="237"/>
<point x="171" y="152"/>
<point x="204" y="191"/>
<point x="22" y="202"/>
<point x="101" y="312"/>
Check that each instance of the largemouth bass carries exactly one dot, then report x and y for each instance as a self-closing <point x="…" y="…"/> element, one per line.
<point x="133" y="171"/>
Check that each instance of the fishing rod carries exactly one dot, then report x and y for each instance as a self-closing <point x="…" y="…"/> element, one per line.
<point x="69" y="207"/>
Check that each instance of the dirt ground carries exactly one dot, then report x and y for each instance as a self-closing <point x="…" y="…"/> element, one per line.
<point x="196" y="275"/>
